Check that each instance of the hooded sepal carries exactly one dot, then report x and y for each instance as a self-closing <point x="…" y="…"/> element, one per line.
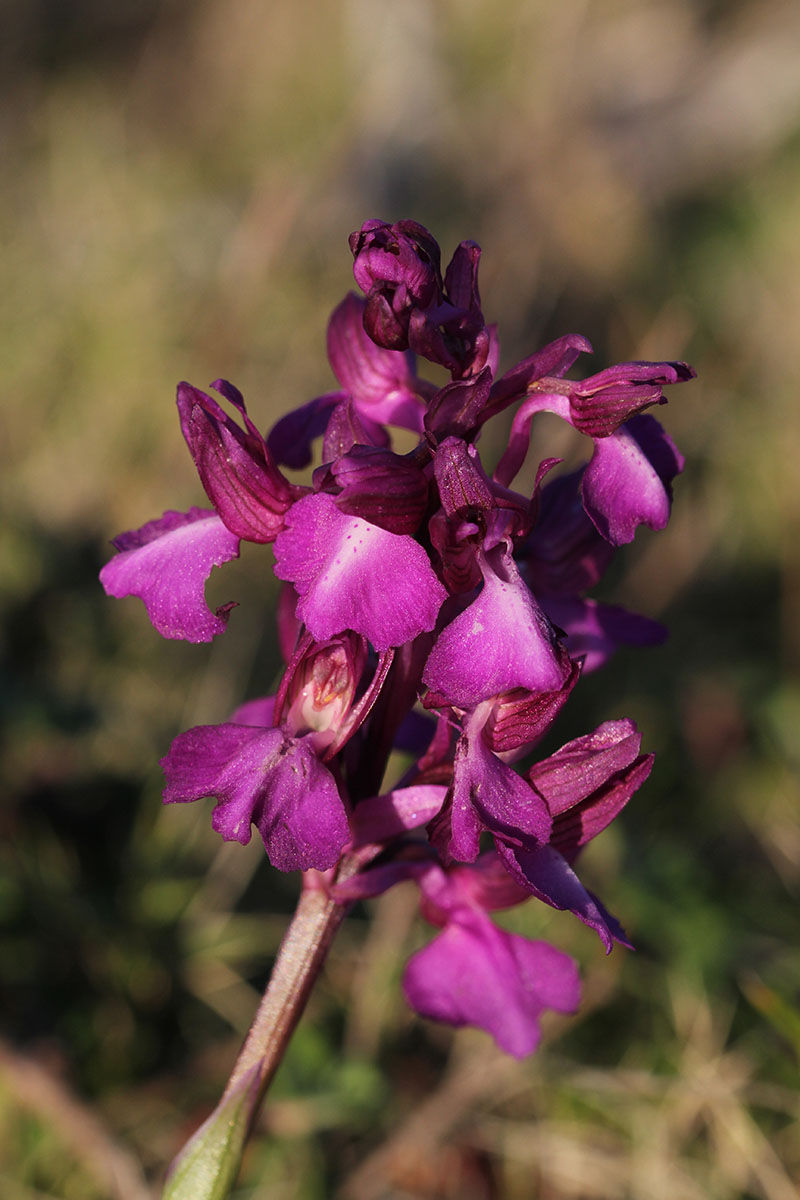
<point x="235" y="467"/>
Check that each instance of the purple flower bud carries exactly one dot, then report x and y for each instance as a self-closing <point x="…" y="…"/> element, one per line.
<point x="461" y="279"/>
<point x="455" y="338"/>
<point x="319" y="687"/>
<point x="398" y="267"/>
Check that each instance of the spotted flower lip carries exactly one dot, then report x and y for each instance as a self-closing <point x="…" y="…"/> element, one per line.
<point x="350" y="574"/>
<point x="433" y="622"/>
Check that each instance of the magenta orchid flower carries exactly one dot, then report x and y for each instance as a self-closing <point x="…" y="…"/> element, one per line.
<point x="419" y="577"/>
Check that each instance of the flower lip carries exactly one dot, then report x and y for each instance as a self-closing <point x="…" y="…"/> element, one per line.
<point x="350" y="574"/>
<point x="166" y="564"/>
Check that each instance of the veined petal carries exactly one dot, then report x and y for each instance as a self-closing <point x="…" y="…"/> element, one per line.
<point x="577" y="826"/>
<point x="263" y="777"/>
<point x="473" y="973"/>
<point x="627" y="482"/>
<point x="500" y="642"/>
<point x="383" y="488"/>
<point x="519" y="719"/>
<point x="166" y="564"/>
<point x="235" y="467"/>
<point x="585" y="764"/>
<point x="601" y="403"/>
<point x="350" y="574"/>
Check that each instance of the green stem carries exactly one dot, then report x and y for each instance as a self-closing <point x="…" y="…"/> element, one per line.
<point x="207" y="1167"/>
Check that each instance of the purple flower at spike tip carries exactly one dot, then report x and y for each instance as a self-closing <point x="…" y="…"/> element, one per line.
<point x="398" y="268"/>
<point x="433" y="622"/>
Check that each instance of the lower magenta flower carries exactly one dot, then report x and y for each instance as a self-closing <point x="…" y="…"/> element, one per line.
<point x="427" y="607"/>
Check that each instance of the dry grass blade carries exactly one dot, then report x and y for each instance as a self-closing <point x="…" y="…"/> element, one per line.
<point x="36" y="1089"/>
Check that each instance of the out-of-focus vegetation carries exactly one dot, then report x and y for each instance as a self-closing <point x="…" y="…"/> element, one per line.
<point x="179" y="181"/>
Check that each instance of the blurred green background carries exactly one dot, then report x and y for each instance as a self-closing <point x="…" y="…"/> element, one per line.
<point x="179" y="182"/>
